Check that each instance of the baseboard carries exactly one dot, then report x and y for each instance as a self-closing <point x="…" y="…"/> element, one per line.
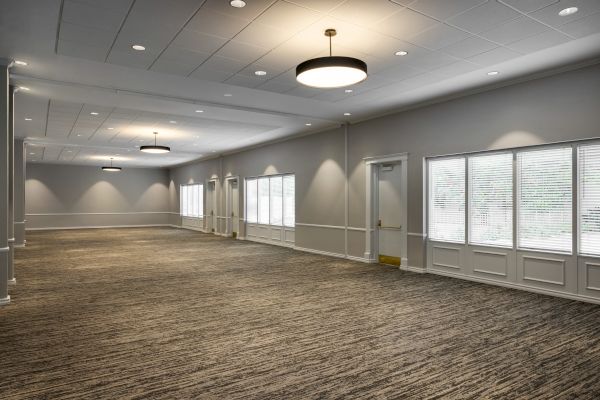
<point x="417" y="270"/>
<point x="5" y="301"/>
<point x="330" y="254"/>
<point x="511" y="285"/>
<point x="60" y="228"/>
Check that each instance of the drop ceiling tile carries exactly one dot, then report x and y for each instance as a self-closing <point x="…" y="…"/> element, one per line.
<point x="262" y="35"/>
<point x="439" y="36"/>
<point x="225" y="64"/>
<point x="244" y="80"/>
<point x="386" y="47"/>
<point x="421" y="80"/>
<point x="318" y="5"/>
<point x="430" y="61"/>
<point x="404" y="24"/>
<point x="184" y="56"/>
<point x="333" y="95"/>
<point x="209" y="74"/>
<point x="364" y="13"/>
<point x="399" y="72"/>
<point x="79" y="50"/>
<point x="252" y="9"/>
<point x="198" y="42"/>
<point x="216" y="24"/>
<point x="288" y="17"/>
<point x="582" y="27"/>
<point x="243" y="52"/>
<point x="86" y="35"/>
<point x="443" y="9"/>
<point x="129" y="59"/>
<point x="495" y="56"/>
<point x="539" y="42"/>
<point x="93" y="16"/>
<point x="170" y="66"/>
<point x="469" y="47"/>
<point x="516" y="29"/>
<point x="304" y="91"/>
<point x="549" y="15"/>
<point x="484" y="17"/>
<point x="455" y="69"/>
<point x="276" y="87"/>
<point x="528" y="6"/>
<point x="112" y="5"/>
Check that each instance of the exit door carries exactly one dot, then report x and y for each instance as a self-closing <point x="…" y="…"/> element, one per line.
<point x="389" y="211"/>
<point x="233" y="215"/>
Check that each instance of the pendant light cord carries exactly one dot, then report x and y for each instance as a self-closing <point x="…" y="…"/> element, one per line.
<point x="330" y="46"/>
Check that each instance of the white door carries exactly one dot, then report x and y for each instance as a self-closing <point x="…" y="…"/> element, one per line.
<point x="389" y="207"/>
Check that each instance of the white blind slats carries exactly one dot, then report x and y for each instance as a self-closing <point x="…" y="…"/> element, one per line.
<point x="545" y="199"/>
<point x="491" y="200"/>
<point x="251" y="201"/>
<point x="289" y="200"/>
<point x="447" y="200"/>
<point x="192" y="200"/>
<point x="263" y="200"/>
<point x="276" y="202"/>
<point x="589" y="199"/>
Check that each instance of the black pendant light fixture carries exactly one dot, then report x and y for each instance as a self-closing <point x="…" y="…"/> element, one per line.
<point x="155" y="149"/>
<point x="332" y="71"/>
<point x="111" y="168"/>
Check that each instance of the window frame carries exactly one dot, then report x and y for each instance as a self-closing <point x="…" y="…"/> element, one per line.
<point x="257" y="178"/>
<point x="579" y="187"/>
<point x="189" y="189"/>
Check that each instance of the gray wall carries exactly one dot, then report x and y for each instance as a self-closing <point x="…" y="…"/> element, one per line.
<point x="78" y="196"/>
<point x="557" y="108"/>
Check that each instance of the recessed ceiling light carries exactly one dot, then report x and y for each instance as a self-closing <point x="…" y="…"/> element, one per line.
<point x="237" y="3"/>
<point x="348" y="91"/>
<point x="347" y="114"/>
<point x="568" y="11"/>
<point x="27" y="119"/>
<point x="32" y="154"/>
<point x="199" y="111"/>
<point x="138" y="47"/>
<point x="401" y="53"/>
<point x="196" y="137"/>
<point x="69" y="151"/>
<point x="491" y="73"/>
<point x="227" y="95"/>
<point x="172" y="122"/>
<point x="110" y="128"/>
<point x="260" y="73"/>
<point x="308" y="124"/>
<point x="93" y="113"/>
<point x="25" y="88"/>
<point x="79" y="134"/>
<point x="19" y="62"/>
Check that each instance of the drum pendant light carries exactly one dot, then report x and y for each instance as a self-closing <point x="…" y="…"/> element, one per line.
<point x="332" y="71"/>
<point x="111" y="168"/>
<point x="155" y="149"/>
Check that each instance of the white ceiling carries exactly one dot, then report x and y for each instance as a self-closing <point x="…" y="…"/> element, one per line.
<point x="81" y="61"/>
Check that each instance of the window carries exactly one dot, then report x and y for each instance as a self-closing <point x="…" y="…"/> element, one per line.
<point x="491" y="200"/>
<point x="192" y="200"/>
<point x="276" y="200"/>
<point x="545" y="199"/>
<point x="589" y="199"/>
<point x="270" y="200"/>
<point x="289" y="200"/>
<point x="251" y="201"/>
<point x="447" y="199"/>
<point x="263" y="200"/>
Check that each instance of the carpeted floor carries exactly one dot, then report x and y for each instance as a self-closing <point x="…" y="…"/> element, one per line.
<point x="162" y="313"/>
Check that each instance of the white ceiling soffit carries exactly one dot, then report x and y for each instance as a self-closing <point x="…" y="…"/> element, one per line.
<point x="80" y="61"/>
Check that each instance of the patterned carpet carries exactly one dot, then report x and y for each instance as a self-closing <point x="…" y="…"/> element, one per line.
<point x="160" y="313"/>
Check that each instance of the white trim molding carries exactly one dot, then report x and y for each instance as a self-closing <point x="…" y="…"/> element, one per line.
<point x="4" y="249"/>
<point x="98" y="213"/>
<point x="60" y="228"/>
<point x="331" y="254"/>
<point x="5" y="301"/>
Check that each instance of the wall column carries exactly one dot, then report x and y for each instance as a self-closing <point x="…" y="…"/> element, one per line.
<point x="11" y="186"/>
<point x="19" y="197"/>
<point x="4" y="105"/>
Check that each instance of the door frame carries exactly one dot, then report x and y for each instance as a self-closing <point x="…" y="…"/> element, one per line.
<point x="228" y="199"/>
<point x="214" y="220"/>
<point x="372" y="204"/>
